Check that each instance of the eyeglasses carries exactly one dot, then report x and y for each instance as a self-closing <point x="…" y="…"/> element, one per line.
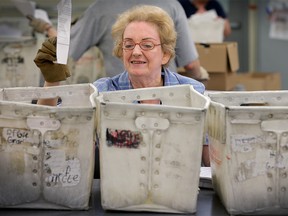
<point x="144" y="45"/>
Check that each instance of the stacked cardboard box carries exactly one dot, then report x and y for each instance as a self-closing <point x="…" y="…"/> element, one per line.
<point x="221" y="60"/>
<point x="255" y="81"/>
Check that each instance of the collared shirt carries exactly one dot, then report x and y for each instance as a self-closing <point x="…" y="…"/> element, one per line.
<point x="122" y="82"/>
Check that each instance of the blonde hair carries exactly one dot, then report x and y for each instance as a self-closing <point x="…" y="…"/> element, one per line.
<point x="150" y="14"/>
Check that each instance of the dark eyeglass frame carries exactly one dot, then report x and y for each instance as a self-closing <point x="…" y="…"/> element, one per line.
<point x="141" y="45"/>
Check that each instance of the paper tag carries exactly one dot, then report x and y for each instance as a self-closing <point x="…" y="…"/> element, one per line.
<point x="63" y="30"/>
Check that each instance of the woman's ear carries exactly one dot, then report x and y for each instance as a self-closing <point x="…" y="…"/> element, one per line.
<point x="166" y="57"/>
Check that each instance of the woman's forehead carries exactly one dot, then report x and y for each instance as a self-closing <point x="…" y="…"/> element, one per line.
<point x="141" y="29"/>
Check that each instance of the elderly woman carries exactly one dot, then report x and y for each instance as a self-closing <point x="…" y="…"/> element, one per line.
<point x="145" y="40"/>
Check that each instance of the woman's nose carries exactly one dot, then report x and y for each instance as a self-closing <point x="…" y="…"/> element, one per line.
<point x="137" y="50"/>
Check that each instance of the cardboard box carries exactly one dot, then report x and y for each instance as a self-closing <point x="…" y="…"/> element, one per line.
<point x="221" y="81"/>
<point x="219" y="57"/>
<point x="249" y="81"/>
<point x="257" y="81"/>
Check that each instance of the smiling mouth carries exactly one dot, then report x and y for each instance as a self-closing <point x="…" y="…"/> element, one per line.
<point x="138" y="62"/>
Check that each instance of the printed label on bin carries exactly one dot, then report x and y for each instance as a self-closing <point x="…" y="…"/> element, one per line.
<point x="265" y="161"/>
<point x="60" y="170"/>
<point x="123" y="138"/>
<point x="244" y="143"/>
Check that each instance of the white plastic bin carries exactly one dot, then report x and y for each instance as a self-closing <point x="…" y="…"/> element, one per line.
<point x="17" y="68"/>
<point x="150" y="155"/>
<point x="248" y="134"/>
<point x="47" y="153"/>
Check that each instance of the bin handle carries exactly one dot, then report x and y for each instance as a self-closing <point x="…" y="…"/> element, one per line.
<point x="254" y="104"/>
<point x="164" y="94"/>
<point x="278" y="125"/>
<point x="43" y="124"/>
<point x="150" y="123"/>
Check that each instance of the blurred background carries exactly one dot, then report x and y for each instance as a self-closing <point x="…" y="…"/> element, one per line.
<point x="250" y="21"/>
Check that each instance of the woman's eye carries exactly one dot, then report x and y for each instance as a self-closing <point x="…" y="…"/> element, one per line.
<point x="147" y="45"/>
<point x="128" y="46"/>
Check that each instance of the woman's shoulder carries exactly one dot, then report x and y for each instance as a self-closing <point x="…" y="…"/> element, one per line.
<point x="103" y="84"/>
<point x="178" y="79"/>
<point x="118" y="82"/>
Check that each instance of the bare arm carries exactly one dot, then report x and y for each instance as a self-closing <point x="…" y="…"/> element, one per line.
<point x="41" y="26"/>
<point x="193" y="69"/>
<point x="50" y="101"/>
<point x="227" y="28"/>
<point x="51" y="32"/>
<point x="53" y="73"/>
<point x="205" y="156"/>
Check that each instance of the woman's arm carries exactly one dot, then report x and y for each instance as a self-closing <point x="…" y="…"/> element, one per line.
<point x="50" y="101"/>
<point x="227" y="27"/>
<point x="53" y="73"/>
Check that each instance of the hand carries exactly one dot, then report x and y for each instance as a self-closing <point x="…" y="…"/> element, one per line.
<point x="204" y="75"/>
<point x="39" y="25"/>
<point x="45" y="58"/>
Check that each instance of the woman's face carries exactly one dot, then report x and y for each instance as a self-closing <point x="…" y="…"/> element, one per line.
<point x="139" y="62"/>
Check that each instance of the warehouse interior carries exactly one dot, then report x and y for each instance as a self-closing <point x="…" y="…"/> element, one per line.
<point x="250" y="23"/>
<point x="146" y="151"/>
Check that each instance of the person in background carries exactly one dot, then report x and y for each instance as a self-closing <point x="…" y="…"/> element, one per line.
<point x="94" y="29"/>
<point x="145" y="40"/>
<point x="199" y="6"/>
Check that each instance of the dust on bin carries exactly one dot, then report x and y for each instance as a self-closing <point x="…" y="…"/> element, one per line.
<point x="150" y="155"/>
<point x="248" y="134"/>
<point x="47" y="153"/>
